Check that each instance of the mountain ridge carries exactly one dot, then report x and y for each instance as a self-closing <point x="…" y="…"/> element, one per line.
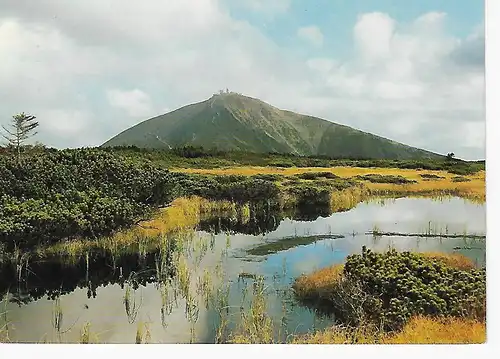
<point x="231" y="121"/>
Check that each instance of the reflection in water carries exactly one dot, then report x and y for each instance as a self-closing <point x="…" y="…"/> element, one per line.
<point x="254" y="226"/>
<point x="53" y="277"/>
<point x="289" y="245"/>
<point x="261" y="222"/>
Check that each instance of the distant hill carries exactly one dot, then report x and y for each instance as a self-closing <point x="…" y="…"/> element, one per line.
<point x="231" y="121"/>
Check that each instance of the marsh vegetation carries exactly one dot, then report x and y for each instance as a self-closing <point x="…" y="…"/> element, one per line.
<point x="109" y="246"/>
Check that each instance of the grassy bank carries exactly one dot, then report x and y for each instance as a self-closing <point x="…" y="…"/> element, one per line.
<point x="418" y="182"/>
<point x="52" y="196"/>
<point x="419" y="330"/>
<point x="177" y="221"/>
<point x="398" y="298"/>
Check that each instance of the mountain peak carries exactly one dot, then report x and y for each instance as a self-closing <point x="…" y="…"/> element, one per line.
<point x="231" y="121"/>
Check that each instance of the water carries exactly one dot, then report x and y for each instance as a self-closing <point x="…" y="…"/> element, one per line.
<point x="278" y="249"/>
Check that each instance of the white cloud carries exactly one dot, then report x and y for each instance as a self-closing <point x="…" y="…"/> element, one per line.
<point x="311" y="34"/>
<point x="100" y="69"/>
<point x="64" y="122"/>
<point x="373" y="34"/>
<point x="135" y="103"/>
<point x="321" y="65"/>
<point x="266" y="6"/>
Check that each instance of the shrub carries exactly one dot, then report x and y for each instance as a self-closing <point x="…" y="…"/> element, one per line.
<point x="431" y="176"/>
<point x="460" y="179"/>
<point x="53" y="195"/>
<point x="376" y="178"/>
<point x="267" y="177"/>
<point x="315" y="175"/>
<point x="402" y="284"/>
<point x="386" y="289"/>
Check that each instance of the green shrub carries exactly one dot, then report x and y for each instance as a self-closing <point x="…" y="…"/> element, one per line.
<point x="376" y="178"/>
<point x="430" y="176"/>
<point x="268" y="177"/>
<point x="403" y="284"/>
<point x="53" y="195"/>
<point x="460" y="179"/>
<point x="315" y="175"/>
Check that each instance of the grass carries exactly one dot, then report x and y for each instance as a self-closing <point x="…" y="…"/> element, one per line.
<point x="255" y="327"/>
<point x="454" y="260"/>
<point x="179" y="218"/>
<point x="318" y="283"/>
<point x="378" y="233"/>
<point x="419" y="330"/>
<point x="437" y="183"/>
<point x="183" y="214"/>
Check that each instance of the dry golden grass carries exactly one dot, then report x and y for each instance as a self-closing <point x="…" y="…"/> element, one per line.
<point x="181" y="214"/>
<point x="419" y="330"/>
<point x="427" y="330"/>
<point x="475" y="189"/>
<point x="184" y="213"/>
<point x="454" y="260"/>
<point x="347" y="199"/>
<point x="180" y="217"/>
<point x="319" y="282"/>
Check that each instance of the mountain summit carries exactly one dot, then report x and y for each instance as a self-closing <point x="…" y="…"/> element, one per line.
<point x="230" y="121"/>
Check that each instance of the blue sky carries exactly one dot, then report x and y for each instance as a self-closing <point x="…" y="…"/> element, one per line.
<point x="336" y="18"/>
<point x="411" y="71"/>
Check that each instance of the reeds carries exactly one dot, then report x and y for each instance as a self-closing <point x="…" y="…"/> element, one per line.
<point x="130" y="302"/>
<point x="255" y="327"/>
<point x="180" y="217"/>
<point x="143" y="333"/>
<point x="4" y="328"/>
<point x="87" y="336"/>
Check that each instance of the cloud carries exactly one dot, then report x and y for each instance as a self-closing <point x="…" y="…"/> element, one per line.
<point x="311" y="34"/>
<point x="135" y="103"/>
<point x="412" y="82"/>
<point x="265" y="6"/>
<point x="100" y="69"/>
<point x="373" y="34"/>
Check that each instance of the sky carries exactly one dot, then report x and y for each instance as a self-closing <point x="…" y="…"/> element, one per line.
<point x="411" y="71"/>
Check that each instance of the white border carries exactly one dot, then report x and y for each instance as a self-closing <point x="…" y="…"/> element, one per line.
<point x="492" y="15"/>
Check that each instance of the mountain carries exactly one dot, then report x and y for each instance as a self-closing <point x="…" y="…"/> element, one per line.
<point x="231" y="121"/>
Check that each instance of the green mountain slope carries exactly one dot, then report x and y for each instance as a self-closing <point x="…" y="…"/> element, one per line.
<point x="234" y="122"/>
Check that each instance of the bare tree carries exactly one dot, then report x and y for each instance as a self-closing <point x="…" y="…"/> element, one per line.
<point x="22" y="127"/>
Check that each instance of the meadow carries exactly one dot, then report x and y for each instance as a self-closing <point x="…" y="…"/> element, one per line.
<point x="68" y="206"/>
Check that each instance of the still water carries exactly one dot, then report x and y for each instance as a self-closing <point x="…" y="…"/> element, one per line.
<point x="278" y="249"/>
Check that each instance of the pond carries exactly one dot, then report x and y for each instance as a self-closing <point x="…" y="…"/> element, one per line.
<point x="119" y="295"/>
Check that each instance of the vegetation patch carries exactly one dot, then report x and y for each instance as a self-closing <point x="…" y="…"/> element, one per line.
<point x="430" y="176"/>
<point x="387" y="289"/>
<point x="460" y="179"/>
<point x="53" y="195"/>
<point x="288" y="243"/>
<point x="377" y="178"/>
<point x="316" y="175"/>
<point x="418" y="330"/>
<point x="198" y="157"/>
<point x="379" y="233"/>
